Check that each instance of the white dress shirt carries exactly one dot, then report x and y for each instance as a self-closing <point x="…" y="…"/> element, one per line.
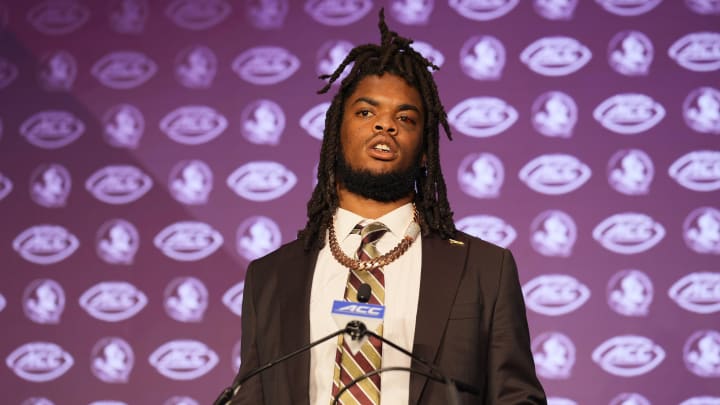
<point x="402" y="288"/>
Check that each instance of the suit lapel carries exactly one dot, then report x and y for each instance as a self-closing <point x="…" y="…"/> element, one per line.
<point x="442" y="266"/>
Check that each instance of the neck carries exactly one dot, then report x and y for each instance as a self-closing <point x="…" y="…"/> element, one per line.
<point x="365" y="207"/>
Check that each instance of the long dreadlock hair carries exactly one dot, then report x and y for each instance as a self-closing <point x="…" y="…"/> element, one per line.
<point x="394" y="55"/>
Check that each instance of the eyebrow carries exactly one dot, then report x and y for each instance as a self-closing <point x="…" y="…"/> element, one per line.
<point x="375" y="103"/>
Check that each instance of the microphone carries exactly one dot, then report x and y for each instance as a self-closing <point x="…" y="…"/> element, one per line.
<point x="364" y="292"/>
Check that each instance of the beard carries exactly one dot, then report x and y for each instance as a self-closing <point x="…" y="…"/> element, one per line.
<point x="383" y="187"/>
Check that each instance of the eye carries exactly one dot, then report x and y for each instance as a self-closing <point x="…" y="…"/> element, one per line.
<point x="363" y="113"/>
<point x="407" y="119"/>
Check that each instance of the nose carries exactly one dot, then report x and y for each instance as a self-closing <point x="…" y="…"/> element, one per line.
<point x="386" y="126"/>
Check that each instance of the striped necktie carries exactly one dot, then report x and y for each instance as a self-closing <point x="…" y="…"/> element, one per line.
<point x="349" y="366"/>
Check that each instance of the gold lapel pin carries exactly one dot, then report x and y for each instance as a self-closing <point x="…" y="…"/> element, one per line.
<point x="456" y="242"/>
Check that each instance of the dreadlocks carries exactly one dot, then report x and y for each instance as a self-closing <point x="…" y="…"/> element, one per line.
<point x="395" y="56"/>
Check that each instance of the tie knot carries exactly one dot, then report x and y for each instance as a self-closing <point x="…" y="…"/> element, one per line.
<point x="370" y="234"/>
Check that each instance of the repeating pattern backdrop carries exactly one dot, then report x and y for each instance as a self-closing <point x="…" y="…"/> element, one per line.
<point x="150" y="149"/>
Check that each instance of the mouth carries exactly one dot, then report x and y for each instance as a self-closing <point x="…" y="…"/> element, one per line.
<point x="382" y="150"/>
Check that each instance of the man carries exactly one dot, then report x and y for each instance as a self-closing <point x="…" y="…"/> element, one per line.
<point x="451" y="299"/>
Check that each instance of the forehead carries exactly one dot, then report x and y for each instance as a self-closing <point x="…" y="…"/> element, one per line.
<point x="388" y="88"/>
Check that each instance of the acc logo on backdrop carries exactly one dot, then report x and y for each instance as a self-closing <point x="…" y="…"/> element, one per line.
<point x="708" y="7"/>
<point x="257" y="236"/>
<point x="261" y="180"/>
<point x="191" y="182"/>
<point x="8" y="72"/>
<point x="6" y="186"/>
<point x="313" y="121"/>
<point x="117" y="241"/>
<point x="630" y="398"/>
<point x="490" y="228"/>
<point x="44" y="301"/>
<point x="235" y="357"/>
<point x="177" y="400"/>
<point x="118" y="184"/>
<point x="626" y="8"/>
<point x="113" y="301"/>
<point x="630" y="293"/>
<point x="183" y="359"/>
<point x="483" y="10"/>
<point x="3" y="302"/>
<point x="267" y="14"/>
<point x="555" y="294"/>
<point x="555" y="9"/>
<point x="704" y="400"/>
<point x="628" y="355"/>
<point x="195" y="67"/>
<point x="107" y="402"/>
<point x="50" y="185"/>
<point x="554" y="114"/>
<point x="197" y="14"/>
<point x="193" y="124"/>
<point x="555" y="174"/>
<point x="112" y="360"/>
<point x="330" y="56"/>
<point x="482" y="58"/>
<point x="128" y="16"/>
<point x="57" y="71"/>
<point x="629" y="113"/>
<point x="697" y="170"/>
<point x="233" y="298"/>
<point x="554" y="355"/>
<point x="697" y="292"/>
<point x="697" y="51"/>
<point x="628" y="233"/>
<point x="701" y="110"/>
<point x="124" y="69"/>
<point x="52" y="129"/>
<point x="58" y="18"/>
<point x="556" y="56"/>
<point x="482" y="117"/>
<point x="186" y="299"/>
<point x="188" y="241"/>
<point x="45" y="244"/>
<point x="481" y="175"/>
<point x="630" y="171"/>
<point x="263" y="122"/>
<point x="630" y="53"/>
<point x="39" y="361"/>
<point x="123" y="126"/>
<point x="429" y="52"/>
<point x="560" y="401"/>
<point x="37" y="401"/>
<point x="412" y="12"/>
<point x="336" y="13"/>
<point x="553" y="233"/>
<point x="265" y="65"/>
<point x="701" y="353"/>
<point x="701" y="230"/>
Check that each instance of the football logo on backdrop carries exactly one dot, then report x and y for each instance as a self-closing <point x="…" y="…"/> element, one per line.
<point x="37" y="401"/>
<point x="555" y="9"/>
<point x="45" y="244"/>
<point x="261" y="180"/>
<point x="553" y="233"/>
<point x="330" y="56"/>
<point x="697" y="292"/>
<point x="630" y="171"/>
<point x="630" y="53"/>
<point x="555" y="294"/>
<point x="704" y="400"/>
<point x="235" y="358"/>
<point x="118" y="184"/>
<point x="196" y="67"/>
<point x="482" y="117"/>
<point x="481" y="175"/>
<point x="706" y="7"/>
<point x="701" y="110"/>
<point x="337" y="13"/>
<point x="233" y="298"/>
<point x="186" y="299"/>
<point x="628" y="233"/>
<point x="58" y="18"/>
<point x="313" y="121"/>
<point x="630" y="293"/>
<point x="265" y="65"/>
<point x="128" y="16"/>
<point x="625" y="8"/>
<point x="263" y="122"/>
<point x="555" y="174"/>
<point x="50" y="185"/>
<point x="697" y="51"/>
<point x="113" y="301"/>
<point x="554" y="114"/>
<point x="266" y="14"/>
<point x="3" y="302"/>
<point x="193" y="124"/>
<point x="257" y="236"/>
<point x="560" y="401"/>
<point x="429" y="52"/>
<point x="177" y="400"/>
<point x="112" y="360"/>
<point x="628" y="355"/>
<point x="6" y="186"/>
<point x="39" y="361"/>
<point x="8" y="72"/>
<point x="701" y="230"/>
<point x="183" y="359"/>
<point x="556" y="56"/>
<point x="52" y="129"/>
<point x="697" y="170"/>
<point x="44" y="301"/>
<point x="630" y="399"/>
<point x="483" y="10"/>
<point x="197" y="14"/>
<point x="554" y="355"/>
<point x="191" y="182"/>
<point x="124" y="69"/>
<point x="123" y="126"/>
<point x="412" y="12"/>
<point x="489" y="228"/>
<point x="701" y="353"/>
<point x="629" y="113"/>
<point x="187" y="241"/>
<point x="57" y="71"/>
<point x="117" y="241"/>
<point x="482" y="58"/>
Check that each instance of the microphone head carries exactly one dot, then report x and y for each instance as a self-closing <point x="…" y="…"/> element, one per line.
<point x="364" y="292"/>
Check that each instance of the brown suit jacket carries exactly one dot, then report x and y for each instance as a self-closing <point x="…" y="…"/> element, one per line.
<point x="470" y="322"/>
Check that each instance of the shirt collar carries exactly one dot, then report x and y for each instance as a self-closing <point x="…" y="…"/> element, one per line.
<point x="396" y="220"/>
